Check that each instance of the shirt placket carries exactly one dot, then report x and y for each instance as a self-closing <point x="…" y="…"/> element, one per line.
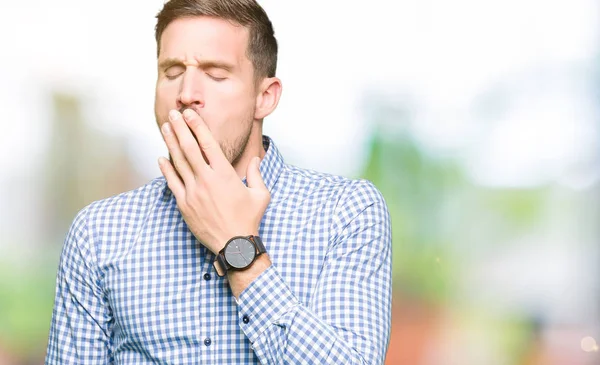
<point x="207" y="302"/>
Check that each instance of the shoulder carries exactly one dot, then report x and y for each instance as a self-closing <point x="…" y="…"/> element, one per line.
<point x="126" y="205"/>
<point x="355" y="209"/>
<point x="351" y="187"/>
<point x="348" y="194"/>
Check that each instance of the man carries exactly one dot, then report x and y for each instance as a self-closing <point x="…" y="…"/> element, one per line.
<point x="233" y="256"/>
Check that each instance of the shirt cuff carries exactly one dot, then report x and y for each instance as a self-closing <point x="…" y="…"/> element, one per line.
<point x="263" y="303"/>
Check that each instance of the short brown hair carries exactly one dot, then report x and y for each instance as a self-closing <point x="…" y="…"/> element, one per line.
<point x="262" y="45"/>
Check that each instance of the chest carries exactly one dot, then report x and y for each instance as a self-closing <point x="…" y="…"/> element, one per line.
<point x="167" y="299"/>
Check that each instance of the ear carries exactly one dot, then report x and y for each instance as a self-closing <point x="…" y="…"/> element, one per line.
<point x="269" y="92"/>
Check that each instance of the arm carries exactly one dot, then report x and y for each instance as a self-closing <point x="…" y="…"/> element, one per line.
<point x="79" y="332"/>
<point x="347" y="320"/>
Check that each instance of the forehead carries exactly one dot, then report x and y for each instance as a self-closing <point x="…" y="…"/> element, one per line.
<point x="205" y="38"/>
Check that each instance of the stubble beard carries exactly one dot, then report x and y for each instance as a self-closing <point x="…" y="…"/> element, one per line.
<point x="234" y="150"/>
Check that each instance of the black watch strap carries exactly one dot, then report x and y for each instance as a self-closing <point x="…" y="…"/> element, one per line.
<point x="260" y="247"/>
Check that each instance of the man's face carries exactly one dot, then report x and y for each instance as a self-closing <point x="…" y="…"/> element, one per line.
<point x="203" y="65"/>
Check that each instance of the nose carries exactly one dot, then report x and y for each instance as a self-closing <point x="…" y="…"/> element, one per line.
<point x="190" y="91"/>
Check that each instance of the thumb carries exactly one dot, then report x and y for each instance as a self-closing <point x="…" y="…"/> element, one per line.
<point x="253" y="176"/>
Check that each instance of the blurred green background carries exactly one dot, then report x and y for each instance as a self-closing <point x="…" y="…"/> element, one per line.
<point x="478" y="121"/>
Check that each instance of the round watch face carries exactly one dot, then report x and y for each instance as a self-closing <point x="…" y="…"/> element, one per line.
<point x="240" y="253"/>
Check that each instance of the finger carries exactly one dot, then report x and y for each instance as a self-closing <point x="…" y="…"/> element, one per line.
<point x="253" y="176"/>
<point x="187" y="143"/>
<point x="173" y="180"/>
<point x="178" y="159"/>
<point x="208" y="144"/>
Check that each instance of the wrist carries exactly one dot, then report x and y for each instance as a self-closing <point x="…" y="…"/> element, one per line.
<point x="220" y="243"/>
<point x="240" y="280"/>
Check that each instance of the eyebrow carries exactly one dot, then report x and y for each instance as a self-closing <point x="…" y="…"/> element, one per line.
<point x="204" y="64"/>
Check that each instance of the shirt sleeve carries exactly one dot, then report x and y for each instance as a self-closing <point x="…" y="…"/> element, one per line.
<point x="79" y="332"/>
<point x="347" y="320"/>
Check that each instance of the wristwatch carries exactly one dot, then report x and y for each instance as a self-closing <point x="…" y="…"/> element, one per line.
<point x="238" y="254"/>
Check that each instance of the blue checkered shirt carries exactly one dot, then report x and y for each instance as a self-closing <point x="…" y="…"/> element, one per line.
<point x="134" y="286"/>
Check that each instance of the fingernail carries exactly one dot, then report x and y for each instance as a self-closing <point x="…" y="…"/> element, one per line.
<point x="188" y="113"/>
<point x="166" y="128"/>
<point x="173" y="115"/>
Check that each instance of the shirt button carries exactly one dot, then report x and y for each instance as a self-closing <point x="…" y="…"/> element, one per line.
<point x="207" y="276"/>
<point x="245" y="319"/>
<point x="207" y="341"/>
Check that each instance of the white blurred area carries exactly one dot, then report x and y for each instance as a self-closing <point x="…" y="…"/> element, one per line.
<point x="448" y="56"/>
<point x="508" y="87"/>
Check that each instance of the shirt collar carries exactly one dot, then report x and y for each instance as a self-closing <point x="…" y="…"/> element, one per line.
<point x="271" y="165"/>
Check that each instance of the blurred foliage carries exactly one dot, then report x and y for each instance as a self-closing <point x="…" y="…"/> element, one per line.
<point x="415" y="186"/>
<point x="436" y="211"/>
<point x="520" y="208"/>
<point x="27" y="296"/>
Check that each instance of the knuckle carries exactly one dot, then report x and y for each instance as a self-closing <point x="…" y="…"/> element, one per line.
<point x="178" y="164"/>
<point x="266" y="197"/>
<point x="189" y="201"/>
<point x="208" y="145"/>
<point x="194" y="124"/>
<point x="189" y="147"/>
<point x="194" y="195"/>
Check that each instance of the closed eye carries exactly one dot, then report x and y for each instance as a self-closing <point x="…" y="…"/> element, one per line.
<point x="216" y="78"/>
<point x="174" y="72"/>
<point x="173" y="77"/>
